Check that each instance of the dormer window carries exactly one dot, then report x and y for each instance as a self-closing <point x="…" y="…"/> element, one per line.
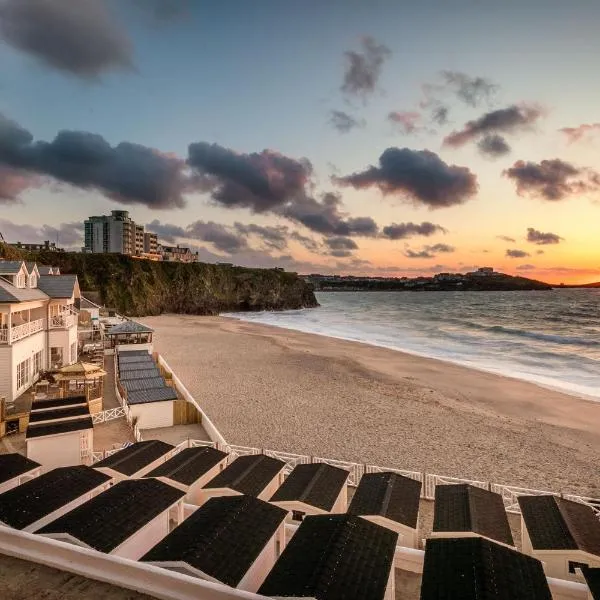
<point x="21" y="282"/>
<point x="32" y="280"/>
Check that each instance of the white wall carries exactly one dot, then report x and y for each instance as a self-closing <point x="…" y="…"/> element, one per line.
<point x="194" y="492"/>
<point x="153" y="414"/>
<point x="407" y="537"/>
<point x="63" y="338"/>
<point x="146" y="538"/>
<point x="271" y="487"/>
<point x="6" y="381"/>
<point x="52" y="451"/>
<point x="21" y="350"/>
<point x="263" y="564"/>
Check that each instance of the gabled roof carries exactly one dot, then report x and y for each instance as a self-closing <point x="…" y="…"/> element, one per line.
<point x="334" y="557"/>
<point x="129" y="327"/>
<point x="10" y="267"/>
<point x="15" y="464"/>
<point x="132" y="459"/>
<point x="11" y="294"/>
<point x="139" y="373"/>
<point x="474" y="568"/>
<point x="221" y="539"/>
<point x="46" y="270"/>
<point x="67" y="412"/>
<point x="31" y="267"/>
<point x="592" y="578"/>
<point x="58" y="427"/>
<point x="557" y="524"/>
<point x="466" y="508"/>
<point x="87" y="304"/>
<point x="58" y="286"/>
<point x="248" y="474"/>
<point x="315" y="484"/>
<point x="138" y="358"/>
<point x="150" y="383"/>
<point x="29" y="502"/>
<point x="162" y="394"/>
<point x="388" y="495"/>
<point x="189" y="465"/>
<point x="58" y="402"/>
<point x="136" y="363"/>
<point x="110" y="518"/>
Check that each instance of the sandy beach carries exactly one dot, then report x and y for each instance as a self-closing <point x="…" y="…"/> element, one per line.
<point x="275" y="388"/>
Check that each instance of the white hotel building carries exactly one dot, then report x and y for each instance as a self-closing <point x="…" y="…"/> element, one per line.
<point x="38" y="323"/>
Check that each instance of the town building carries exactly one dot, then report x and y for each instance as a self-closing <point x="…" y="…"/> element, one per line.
<point x="46" y="246"/>
<point x="110" y="233"/>
<point x="38" y="324"/>
<point x="150" y="242"/>
<point x="178" y="254"/>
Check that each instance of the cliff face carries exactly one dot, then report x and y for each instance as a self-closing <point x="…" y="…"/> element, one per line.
<point x="140" y="287"/>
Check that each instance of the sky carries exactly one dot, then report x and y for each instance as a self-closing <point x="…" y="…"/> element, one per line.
<point x="376" y="137"/>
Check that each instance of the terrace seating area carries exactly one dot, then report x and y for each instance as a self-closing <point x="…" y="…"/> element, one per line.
<point x="222" y="518"/>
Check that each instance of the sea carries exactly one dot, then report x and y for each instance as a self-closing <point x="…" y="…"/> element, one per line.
<point x="551" y="338"/>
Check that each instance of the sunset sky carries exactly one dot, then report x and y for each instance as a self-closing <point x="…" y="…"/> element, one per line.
<point x="381" y="137"/>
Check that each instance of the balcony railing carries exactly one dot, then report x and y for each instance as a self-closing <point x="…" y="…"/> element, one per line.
<point x="8" y="336"/>
<point x="62" y="321"/>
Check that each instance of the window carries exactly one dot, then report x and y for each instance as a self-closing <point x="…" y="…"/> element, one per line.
<point x="298" y="515"/>
<point x="38" y="362"/>
<point x="20" y="280"/>
<point x="32" y="280"/>
<point x="23" y="373"/>
<point x="56" y="357"/>
<point x="576" y="565"/>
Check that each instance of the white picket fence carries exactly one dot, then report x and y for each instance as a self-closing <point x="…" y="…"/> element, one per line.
<point x="108" y="415"/>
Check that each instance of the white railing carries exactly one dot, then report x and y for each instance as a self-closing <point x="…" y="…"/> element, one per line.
<point x="290" y="460"/>
<point x="65" y="319"/>
<point x="235" y="451"/>
<point x="593" y="503"/>
<point x="21" y="331"/>
<point x="510" y="495"/>
<point x="97" y="457"/>
<point x="431" y="481"/>
<point x="356" y="470"/>
<point x="199" y="443"/>
<point x="417" y="475"/>
<point x="108" y="415"/>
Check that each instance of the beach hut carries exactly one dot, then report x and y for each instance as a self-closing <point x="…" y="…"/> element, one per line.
<point x="390" y="500"/>
<point x="126" y="520"/>
<point x="15" y="469"/>
<point x="130" y="335"/>
<point x="332" y="557"/>
<point x="234" y="540"/>
<point x="42" y="499"/>
<point x="592" y="578"/>
<point x="256" y="475"/>
<point x="135" y="460"/>
<point x="563" y="534"/>
<point x="464" y="510"/>
<point x="190" y="469"/>
<point x="313" y="489"/>
<point x="478" y="569"/>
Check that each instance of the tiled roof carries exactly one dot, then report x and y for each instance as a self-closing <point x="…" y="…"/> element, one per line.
<point x="334" y="557"/>
<point x="15" y="464"/>
<point x="58" y="402"/>
<point x="557" y="524"/>
<point x="45" y="270"/>
<point x="139" y="373"/>
<point x="221" y="539"/>
<point x="388" y="495"/>
<point x="58" y="413"/>
<point x="466" y="508"/>
<point x="40" y="496"/>
<point x="132" y="459"/>
<point x="478" y="569"/>
<point x="592" y="578"/>
<point x="58" y="286"/>
<point x="248" y="474"/>
<point x="11" y="294"/>
<point x="10" y="267"/>
<point x="125" y="353"/>
<point x="141" y="362"/>
<point x="150" y="383"/>
<point x="57" y="427"/>
<point x="129" y="327"/>
<point x="138" y="358"/>
<point x="107" y="520"/>
<point x="316" y="484"/>
<point x="163" y="394"/>
<point x="86" y="304"/>
<point x="189" y="465"/>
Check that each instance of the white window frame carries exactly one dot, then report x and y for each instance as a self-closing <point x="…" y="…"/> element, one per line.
<point x="23" y="373"/>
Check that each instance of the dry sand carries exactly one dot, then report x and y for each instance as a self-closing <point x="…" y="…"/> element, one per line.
<point x="274" y="388"/>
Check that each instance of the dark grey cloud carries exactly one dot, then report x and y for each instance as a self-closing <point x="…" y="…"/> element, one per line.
<point x="400" y="231"/>
<point x="79" y="37"/>
<point x="506" y="238"/>
<point x="574" y="134"/>
<point x="344" y="122"/>
<point x="308" y="242"/>
<point x="129" y="173"/>
<point x="504" y="120"/>
<point x="340" y="243"/>
<point x="363" y="68"/>
<point x="552" y="179"/>
<point x="493" y="145"/>
<point x="440" y="114"/>
<point x="221" y="237"/>
<point x="429" y="251"/>
<point x="166" y="231"/>
<point x="471" y="90"/>
<point x="418" y="175"/>
<point x="258" y="181"/>
<point x="68" y="235"/>
<point x="542" y="239"/>
<point x="517" y="253"/>
<point x="272" y="237"/>
<point x="526" y="267"/>
<point x="407" y="121"/>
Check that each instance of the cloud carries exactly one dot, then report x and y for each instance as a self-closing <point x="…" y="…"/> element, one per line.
<point x="68" y="235"/>
<point x="272" y="237"/>
<point x="440" y="115"/>
<point x="552" y="179"/>
<point x="341" y="243"/>
<point x="406" y="121"/>
<point x="164" y="10"/>
<point x="525" y="268"/>
<point x="542" y="239"/>
<point x="306" y="241"/>
<point x="400" y="231"/>
<point x="81" y="38"/>
<point x="129" y="173"/>
<point x="506" y="238"/>
<point x="218" y="235"/>
<point x="471" y="90"/>
<point x="505" y="120"/>
<point x="12" y="183"/>
<point x="493" y="145"/>
<point x="417" y="175"/>
<point x="344" y="122"/>
<point x="574" y="134"/>
<point x="539" y="252"/>
<point x="517" y="253"/>
<point x="363" y="68"/>
<point x="429" y="251"/>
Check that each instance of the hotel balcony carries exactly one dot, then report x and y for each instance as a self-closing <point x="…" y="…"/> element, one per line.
<point x="8" y="335"/>
<point x="62" y="321"/>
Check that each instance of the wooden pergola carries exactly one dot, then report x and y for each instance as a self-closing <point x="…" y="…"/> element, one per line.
<point x="129" y="332"/>
<point x="81" y="377"/>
